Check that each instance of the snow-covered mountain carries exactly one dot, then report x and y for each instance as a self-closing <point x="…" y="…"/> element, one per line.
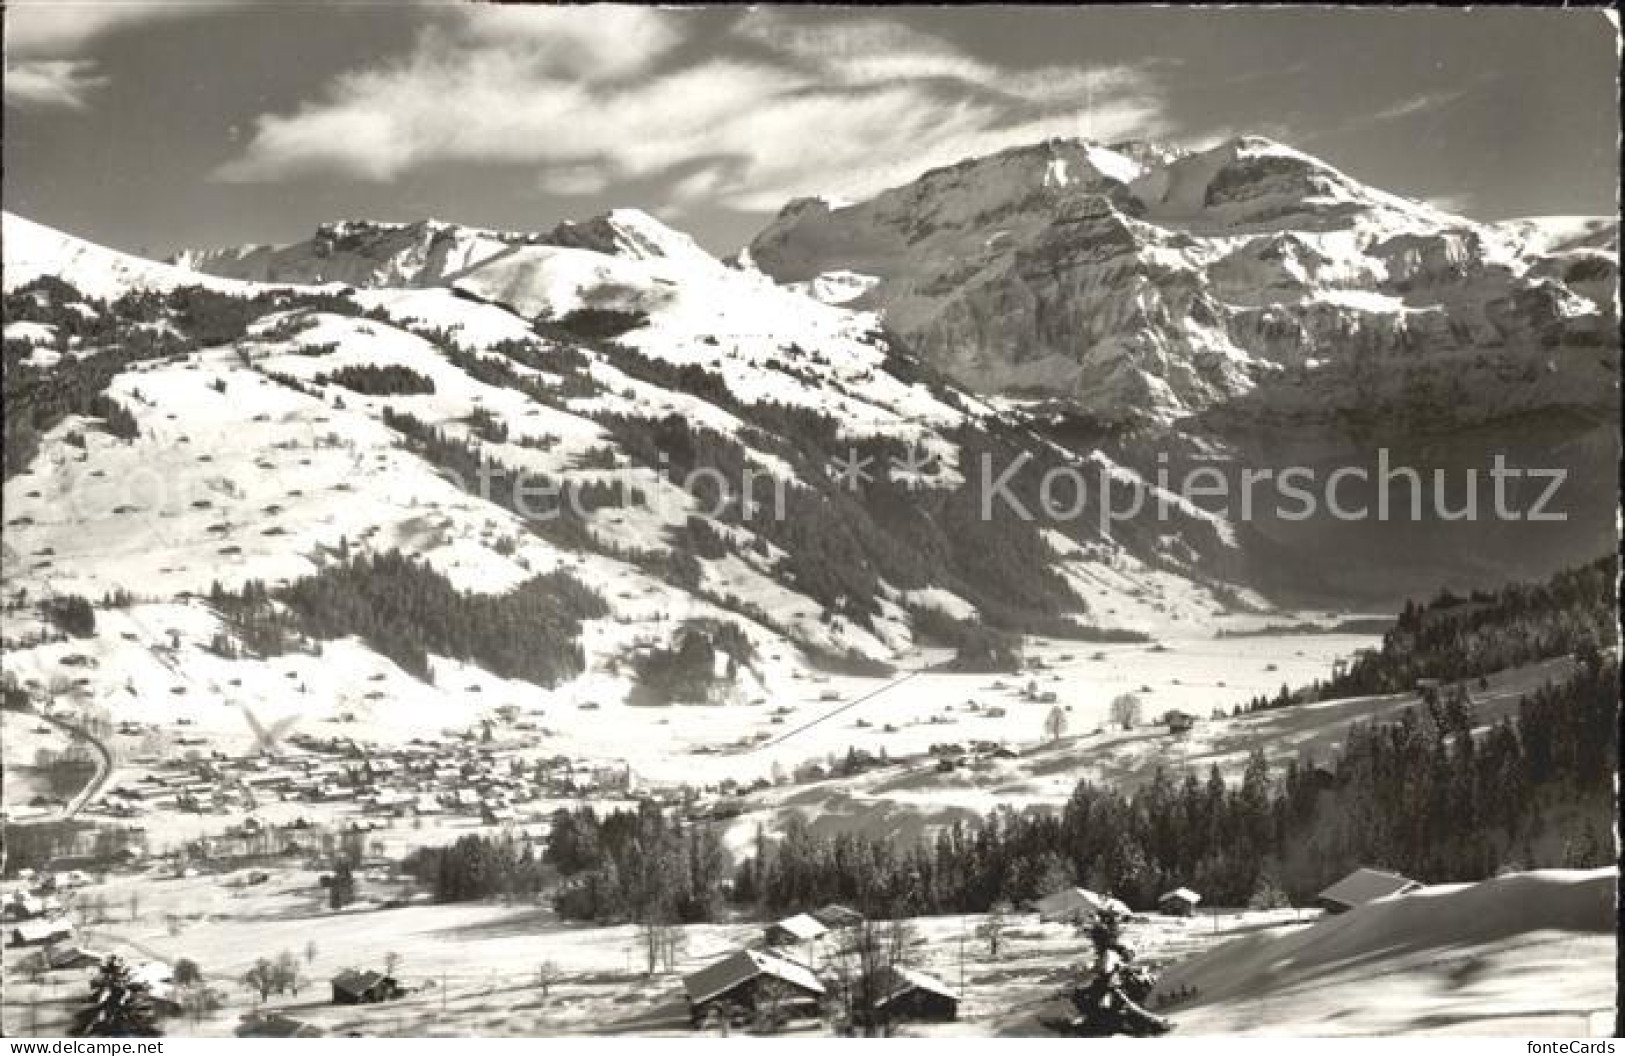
<point x="223" y="468"/>
<point x="1246" y="281"/>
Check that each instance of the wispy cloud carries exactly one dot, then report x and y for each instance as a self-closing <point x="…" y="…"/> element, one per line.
<point x="1416" y="104"/>
<point x="39" y="84"/>
<point x="45" y="39"/>
<point x="1422" y="104"/>
<point x="777" y="108"/>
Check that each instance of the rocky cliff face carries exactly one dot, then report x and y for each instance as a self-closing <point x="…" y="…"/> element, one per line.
<point x="1148" y="284"/>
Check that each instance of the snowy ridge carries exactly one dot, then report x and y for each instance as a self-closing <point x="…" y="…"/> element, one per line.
<point x="33" y="250"/>
<point x="1145" y="283"/>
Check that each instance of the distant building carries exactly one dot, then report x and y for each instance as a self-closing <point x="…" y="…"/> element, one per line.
<point x="41" y="932"/>
<point x="24" y="906"/>
<point x="1179" y="722"/>
<point x="1362" y="886"/>
<point x="740" y="982"/>
<point x="793" y="931"/>
<point x="1071" y="904"/>
<point x="62" y="957"/>
<point x="351" y="987"/>
<point x="275" y="1025"/>
<point x="1180" y="902"/>
<point x="914" y="995"/>
<point x="835" y="917"/>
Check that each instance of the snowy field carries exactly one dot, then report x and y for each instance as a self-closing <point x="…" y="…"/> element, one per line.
<point x="1520" y="955"/>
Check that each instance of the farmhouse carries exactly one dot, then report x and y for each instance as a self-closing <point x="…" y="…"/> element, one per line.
<point x="792" y="931"/>
<point x="1071" y="904"/>
<point x="24" y="906"/>
<point x="276" y="1025"/>
<point x="909" y="994"/>
<point x="835" y="917"/>
<point x="60" y="957"/>
<point x="1180" y="902"/>
<point x="351" y="987"/>
<point x="1362" y="886"/>
<point x="41" y="932"/>
<point x="742" y="980"/>
<point x="159" y="979"/>
<point x="1179" y="721"/>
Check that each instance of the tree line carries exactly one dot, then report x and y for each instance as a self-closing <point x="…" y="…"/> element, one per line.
<point x="406" y="610"/>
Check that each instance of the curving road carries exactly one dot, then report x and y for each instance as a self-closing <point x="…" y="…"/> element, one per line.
<point x="93" y="787"/>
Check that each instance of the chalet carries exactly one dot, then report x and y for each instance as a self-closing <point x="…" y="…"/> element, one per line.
<point x="908" y="994"/>
<point x="391" y="802"/>
<point x="793" y="931"/>
<point x="1071" y="904"/>
<point x="738" y="981"/>
<point x="41" y="932"/>
<point x="159" y="979"/>
<point x="1180" y="902"/>
<point x="24" y="906"/>
<point x="351" y="987"/>
<point x="58" y="958"/>
<point x="275" y="1025"/>
<point x="1179" y="722"/>
<point x="496" y="813"/>
<point x="835" y="917"/>
<point x="1362" y="886"/>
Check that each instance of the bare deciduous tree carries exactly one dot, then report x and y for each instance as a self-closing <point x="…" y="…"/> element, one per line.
<point x="993" y="927"/>
<point x="862" y="964"/>
<point x="1126" y="710"/>
<point x="548" y="974"/>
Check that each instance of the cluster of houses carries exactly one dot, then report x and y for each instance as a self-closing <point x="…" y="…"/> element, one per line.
<point x="33" y="914"/>
<point x="1076" y="904"/>
<point x="426" y="776"/>
<point x="780" y="977"/>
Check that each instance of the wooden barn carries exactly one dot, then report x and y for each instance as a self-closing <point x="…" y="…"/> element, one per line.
<point x="907" y="994"/>
<point x="1071" y="904"/>
<point x="793" y="931"/>
<point x="741" y="982"/>
<point x="351" y="987"/>
<point x="41" y="932"/>
<point x="1362" y="886"/>
<point x="835" y="917"/>
<point x="1180" y="902"/>
<point x="275" y="1025"/>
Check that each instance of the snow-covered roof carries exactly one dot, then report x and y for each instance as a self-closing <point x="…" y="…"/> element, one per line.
<point x="41" y="930"/>
<point x="1182" y="893"/>
<point x="1071" y="901"/>
<point x="903" y="980"/>
<point x="743" y="966"/>
<point x="802" y="926"/>
<point x="1367" y="885"/>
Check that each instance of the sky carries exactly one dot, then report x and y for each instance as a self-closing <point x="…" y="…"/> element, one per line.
<point x="153" y="126"/>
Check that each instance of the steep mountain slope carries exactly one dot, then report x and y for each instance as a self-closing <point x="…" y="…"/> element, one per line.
<point x="581" y="473"/>
<point x="1139" y="285"/>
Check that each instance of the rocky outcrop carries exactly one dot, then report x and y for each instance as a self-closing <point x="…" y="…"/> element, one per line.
<point x="1147" y="283"/>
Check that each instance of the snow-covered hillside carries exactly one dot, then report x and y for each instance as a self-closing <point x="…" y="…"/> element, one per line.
<point x="1524" y="954"/>
<point x="1140" y="285"/>
<point x="180" y="435"/>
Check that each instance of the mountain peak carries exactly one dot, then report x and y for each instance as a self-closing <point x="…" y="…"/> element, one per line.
<point x="629" y="233"/>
